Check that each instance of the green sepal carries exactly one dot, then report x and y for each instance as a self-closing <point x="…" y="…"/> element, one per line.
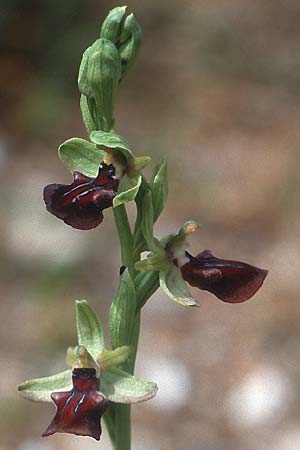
<point x="159" y="188"/>
<point x="117" y="385"/>
<point x="115" y="143"/>
<point x="173" y="285"/>
<point x="112" y="358"/>
<point x="40" y="389"/>
<point x="155" y="262"/>
<point x="127" y="189"/>
<point x="137" y="165"/>
<point x="147" y="223"/>
<point x="81" y="155"/>
<point x="113" y="24"/>
<point x="89" y="329"/>
<point x="122" y="312"/>
<point x="131" y="39"/>
<point x="88" y="120"/>
<point x="99" y="76"/>
<point x="121" y="387"/>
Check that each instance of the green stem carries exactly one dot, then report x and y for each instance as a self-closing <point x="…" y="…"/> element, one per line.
<point x="123" y="428"/>
<point x="145" y="284"/>
<point x="122" y="418"/>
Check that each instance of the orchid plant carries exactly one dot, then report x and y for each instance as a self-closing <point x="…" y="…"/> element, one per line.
<point x="99" y="381"/>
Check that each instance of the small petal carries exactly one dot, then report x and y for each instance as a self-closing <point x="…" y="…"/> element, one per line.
<point x="230" y="281"/>
<point x="79" y="411"/>
<point x="80" y="204"/>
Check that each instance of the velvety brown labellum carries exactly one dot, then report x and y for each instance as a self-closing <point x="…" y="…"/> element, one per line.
<point x="230" y="281"/>
<point x="80" y="204"/>
<point x="79" y="411"/>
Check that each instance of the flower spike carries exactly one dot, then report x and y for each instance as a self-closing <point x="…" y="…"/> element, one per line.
<point x="79" y="411"/>
<point x="80" y="204"/>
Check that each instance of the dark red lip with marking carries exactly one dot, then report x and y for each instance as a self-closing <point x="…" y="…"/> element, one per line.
<point x="80" y="204"/>
<point x="79" y="411"/>
<point x="230" y="281"/>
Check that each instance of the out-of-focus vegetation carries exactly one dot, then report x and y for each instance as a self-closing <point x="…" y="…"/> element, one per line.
<point x="216" y="89"/>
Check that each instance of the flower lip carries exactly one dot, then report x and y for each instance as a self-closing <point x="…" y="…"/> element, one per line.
<point x="80" y="204"/>
<point x="230" y="281"/>
<point x="79" y="411"/>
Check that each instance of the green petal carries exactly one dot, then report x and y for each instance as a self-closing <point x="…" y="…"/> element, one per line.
<point x="112" y="358"/>
<point x="89" y="329"/>
<point x="82" y="156"/>
<point x="121" y="387"/>
<point x="174" y="286"/>
<point x="128" y="189"/>
<point x="40" y="389"/>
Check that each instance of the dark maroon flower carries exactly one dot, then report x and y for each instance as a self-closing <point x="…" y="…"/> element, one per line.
<point x="80" y="204"/>
<point x="230" y="281"/>
<point x="79" y="411"/>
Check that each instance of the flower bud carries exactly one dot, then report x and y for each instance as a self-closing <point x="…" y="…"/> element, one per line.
<point x="99" y="75"/>
<point x="113" y="24"/>
<point x="130" y="42"/>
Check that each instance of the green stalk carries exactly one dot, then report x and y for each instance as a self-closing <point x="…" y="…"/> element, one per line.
<point x="123" y="427"/>
<point x="122" y="418"/>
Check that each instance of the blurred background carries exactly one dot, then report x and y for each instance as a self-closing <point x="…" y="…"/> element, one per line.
<point x="216" y="90"/>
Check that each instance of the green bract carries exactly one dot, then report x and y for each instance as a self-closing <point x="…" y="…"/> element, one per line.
<point x="122" y="312"/>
